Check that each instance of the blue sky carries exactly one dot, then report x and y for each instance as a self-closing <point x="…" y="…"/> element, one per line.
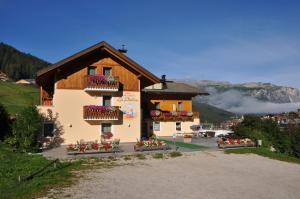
<point x="236" y="41"/>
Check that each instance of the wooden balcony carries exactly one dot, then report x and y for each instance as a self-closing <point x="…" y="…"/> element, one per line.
<point x="101" y="83"/>
<point x="93" y="112"/>
<point x="157" y="115"/>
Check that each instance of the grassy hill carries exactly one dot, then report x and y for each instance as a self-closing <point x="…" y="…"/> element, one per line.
<point x="15" y="97"/>
<point x="210" y="113"/>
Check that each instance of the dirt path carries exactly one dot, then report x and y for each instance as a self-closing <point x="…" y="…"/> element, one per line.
<point x="195" y="175"/>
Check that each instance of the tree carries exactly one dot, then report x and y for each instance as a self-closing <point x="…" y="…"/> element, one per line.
<point x="27" y="130"/>
<point x="5" y="125"/>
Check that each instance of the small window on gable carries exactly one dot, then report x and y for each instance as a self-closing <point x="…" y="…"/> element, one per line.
<point x="48" y="129"/>
<point x="91" y="70"/>
<point x="178" y="126"/>
<point x="107" y="71"/>
<point x="157" y="105"/>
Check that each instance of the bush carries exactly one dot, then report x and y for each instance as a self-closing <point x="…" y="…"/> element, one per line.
<point x="295" y="143"/>
<point x="266" y="130"/>
<point x="5" y="125"/>
<point x="27" y="130"/>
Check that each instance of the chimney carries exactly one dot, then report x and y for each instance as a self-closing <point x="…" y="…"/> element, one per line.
<point x="123" y="49"/>
<point x="163" y="79"/>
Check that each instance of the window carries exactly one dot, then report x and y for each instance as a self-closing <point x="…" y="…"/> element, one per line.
<point x="106" y="101"/>
<point x="106" y="131"/>
<point x="106" y="127"/>
<point x="91" y="70"/>
<point x="178" y="126"/>
<point x="48" y="129"/>
<point x="107" y="71"/>
<point x="179" y="106"/>
<point x="156" y="126"/>
<point x="157" y="105"/>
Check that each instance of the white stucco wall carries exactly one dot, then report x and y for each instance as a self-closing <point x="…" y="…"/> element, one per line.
<point x="168" y="128"/>
<point x="69" y="104"/>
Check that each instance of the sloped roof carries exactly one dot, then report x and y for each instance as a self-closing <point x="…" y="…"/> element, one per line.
<point x="177" y="87"/>
<point x="106" y="47"/>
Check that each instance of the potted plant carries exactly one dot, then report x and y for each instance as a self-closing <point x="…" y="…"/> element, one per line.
<point x="187" y="138"/>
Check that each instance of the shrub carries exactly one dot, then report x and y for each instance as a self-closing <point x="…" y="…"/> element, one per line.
<point x="175" y="154"/>
<point x="295" y="143"/>
<point x="5" y="125"/>
<point x="158" y="156"/>
<point x="27" y="130"/>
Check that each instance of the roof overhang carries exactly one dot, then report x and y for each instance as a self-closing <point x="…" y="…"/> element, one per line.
<point x="102" y="47"/>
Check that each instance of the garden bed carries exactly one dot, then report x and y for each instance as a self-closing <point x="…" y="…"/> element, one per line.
<point x="235" y="143"/>
<point x="152" y="144"/>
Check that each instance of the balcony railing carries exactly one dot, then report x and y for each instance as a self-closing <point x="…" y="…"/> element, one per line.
<point x="158" y="115"/>
<point x="93" y="112"/>
<point x="101" y="83"/>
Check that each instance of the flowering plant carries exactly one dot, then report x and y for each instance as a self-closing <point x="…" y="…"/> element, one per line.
<point x="97" y="78"/>
<point x="107" y="135"/>
<point x="167" y="114"/>
<point x="183" y="113"/>
<point x="93" y="146"/>
<point x="96" y="108"/>
<point x="150" y="143"/>
<point x="154" y="113"/>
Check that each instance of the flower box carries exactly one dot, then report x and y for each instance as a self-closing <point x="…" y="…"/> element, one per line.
<point x="235" y="143"/>
<point x="93" y="147"/>
<point x="150" y="145"/>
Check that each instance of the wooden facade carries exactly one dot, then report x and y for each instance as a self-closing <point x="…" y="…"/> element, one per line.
<point x="168" y="102"/>
<point x="128" y="79"/>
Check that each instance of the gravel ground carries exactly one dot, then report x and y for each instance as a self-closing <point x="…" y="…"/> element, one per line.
<point x="202" y="174"/>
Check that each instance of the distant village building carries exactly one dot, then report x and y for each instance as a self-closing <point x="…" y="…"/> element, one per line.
<point x="231" y="122"/>
<point x="284" y="119"/>
<point x="3" y="77"/>
<point x="26" y="81"/>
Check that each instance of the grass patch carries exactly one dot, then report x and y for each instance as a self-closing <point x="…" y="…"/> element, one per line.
<point x="184" y="145"/>
<point x="15" y="97"/>
<point x="175" y="154"/>
<point x="14" y="164"/>
<point x="140" y="156"/>
<point x="264" y="152"/>
<point x="158" y="156"/>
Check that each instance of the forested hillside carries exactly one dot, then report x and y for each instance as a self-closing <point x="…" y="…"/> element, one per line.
<point x="18" y="65"/>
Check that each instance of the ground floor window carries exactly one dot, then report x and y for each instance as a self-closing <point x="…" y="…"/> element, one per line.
<point x="156" y="126"/>
<point x="48" y="129"/>
<point x="106" y="131"/>
<point x="178" y="126"/>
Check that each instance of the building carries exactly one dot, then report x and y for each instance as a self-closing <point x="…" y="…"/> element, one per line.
<point x="3" y="77"/>
<point x="26" y="81"/>
<point x="100" y="91"/>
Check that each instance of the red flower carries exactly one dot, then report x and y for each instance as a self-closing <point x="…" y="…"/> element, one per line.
<point x="82" y="147"/>
<point x="238" y="141"/>
<point x="95" y="146"/>
<point x="106" y="146"/>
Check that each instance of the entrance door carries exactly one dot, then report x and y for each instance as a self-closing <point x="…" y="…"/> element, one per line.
<point x="144" y="134"/>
